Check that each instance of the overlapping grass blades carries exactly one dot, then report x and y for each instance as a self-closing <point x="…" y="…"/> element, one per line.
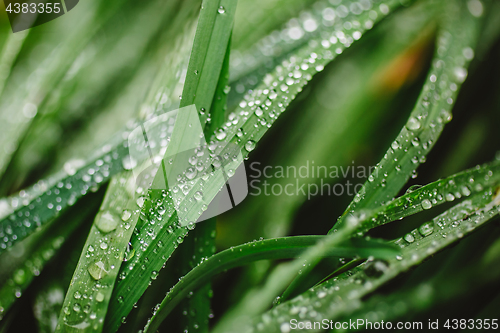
<point x="204" y="69"/>
<point x="277" y="248"/>
<point x="340" y="296"/>
<point x="246" y="124"/>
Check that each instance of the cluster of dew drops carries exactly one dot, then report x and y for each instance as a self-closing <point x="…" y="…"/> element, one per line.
<point x="266" y="102"/>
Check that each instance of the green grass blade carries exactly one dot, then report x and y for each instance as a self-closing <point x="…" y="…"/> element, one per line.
<point x="342" y="94"/>
<point x="277" y="248"/>
<point x="461" y="185"/>
<point x="207" y="57"/>
<point x="94" y="81"/>
<point x="454" y="50"/>
<point x="100" y="261"/>
<point x="51" y="68"/>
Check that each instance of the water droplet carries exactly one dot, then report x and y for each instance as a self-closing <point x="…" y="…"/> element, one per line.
<point x="285" y="328"/>
<point x="409" y="238"/>
<point x="475" y="7"/>
<point x="413" y="188"/>
<point x="460" y="74"/>
<point x="413" y="124"/>
<point x="426" y="204"/>
<point x="129" y="163"/>
<point x="99" y="297"/>
<point x="221" y="10"/>
<point x="140" y="201"/>
<point x="98" y="269"/>
<point x="250" y="145"/>
<point x="220" y="134"/>
<point x="426" y="229"/>
<point x="126" y="215"/>
<point x="107" y="222"/>
<point x="465" y="191"/>
<point x="129" y="252"/>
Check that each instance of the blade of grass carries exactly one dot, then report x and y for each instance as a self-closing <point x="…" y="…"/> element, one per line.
<point x="100" y="260"/>
<point x="338" y="98"/>
<point x="277" y="94"/>
<point x="427" y="120"/>
<point x="93" y="81"/>
<point x="461" y="185"/>
<point x="50" y="71"/>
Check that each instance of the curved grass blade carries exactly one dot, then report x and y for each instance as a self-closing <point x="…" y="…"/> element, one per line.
<point x="461" y="185"/>
<point x="454" y="50"/>
<point x="339" y="295"/>
<point x="260" y="108"/>
<point x="448" y="285"/>
<point x="452" y="188"/>
<point x="270" y="249"/>
<point x="281" y="277"/>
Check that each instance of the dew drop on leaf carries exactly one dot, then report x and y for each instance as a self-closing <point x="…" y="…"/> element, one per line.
<point x="409" y="238"/>
<point x="98" y="269"/>
<point x="250" y="145"/>
<point x="426" y="229"/>
<point x="426" y="204"/>
<point x="413" y="124"/>
<point x="107" y="222"/>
